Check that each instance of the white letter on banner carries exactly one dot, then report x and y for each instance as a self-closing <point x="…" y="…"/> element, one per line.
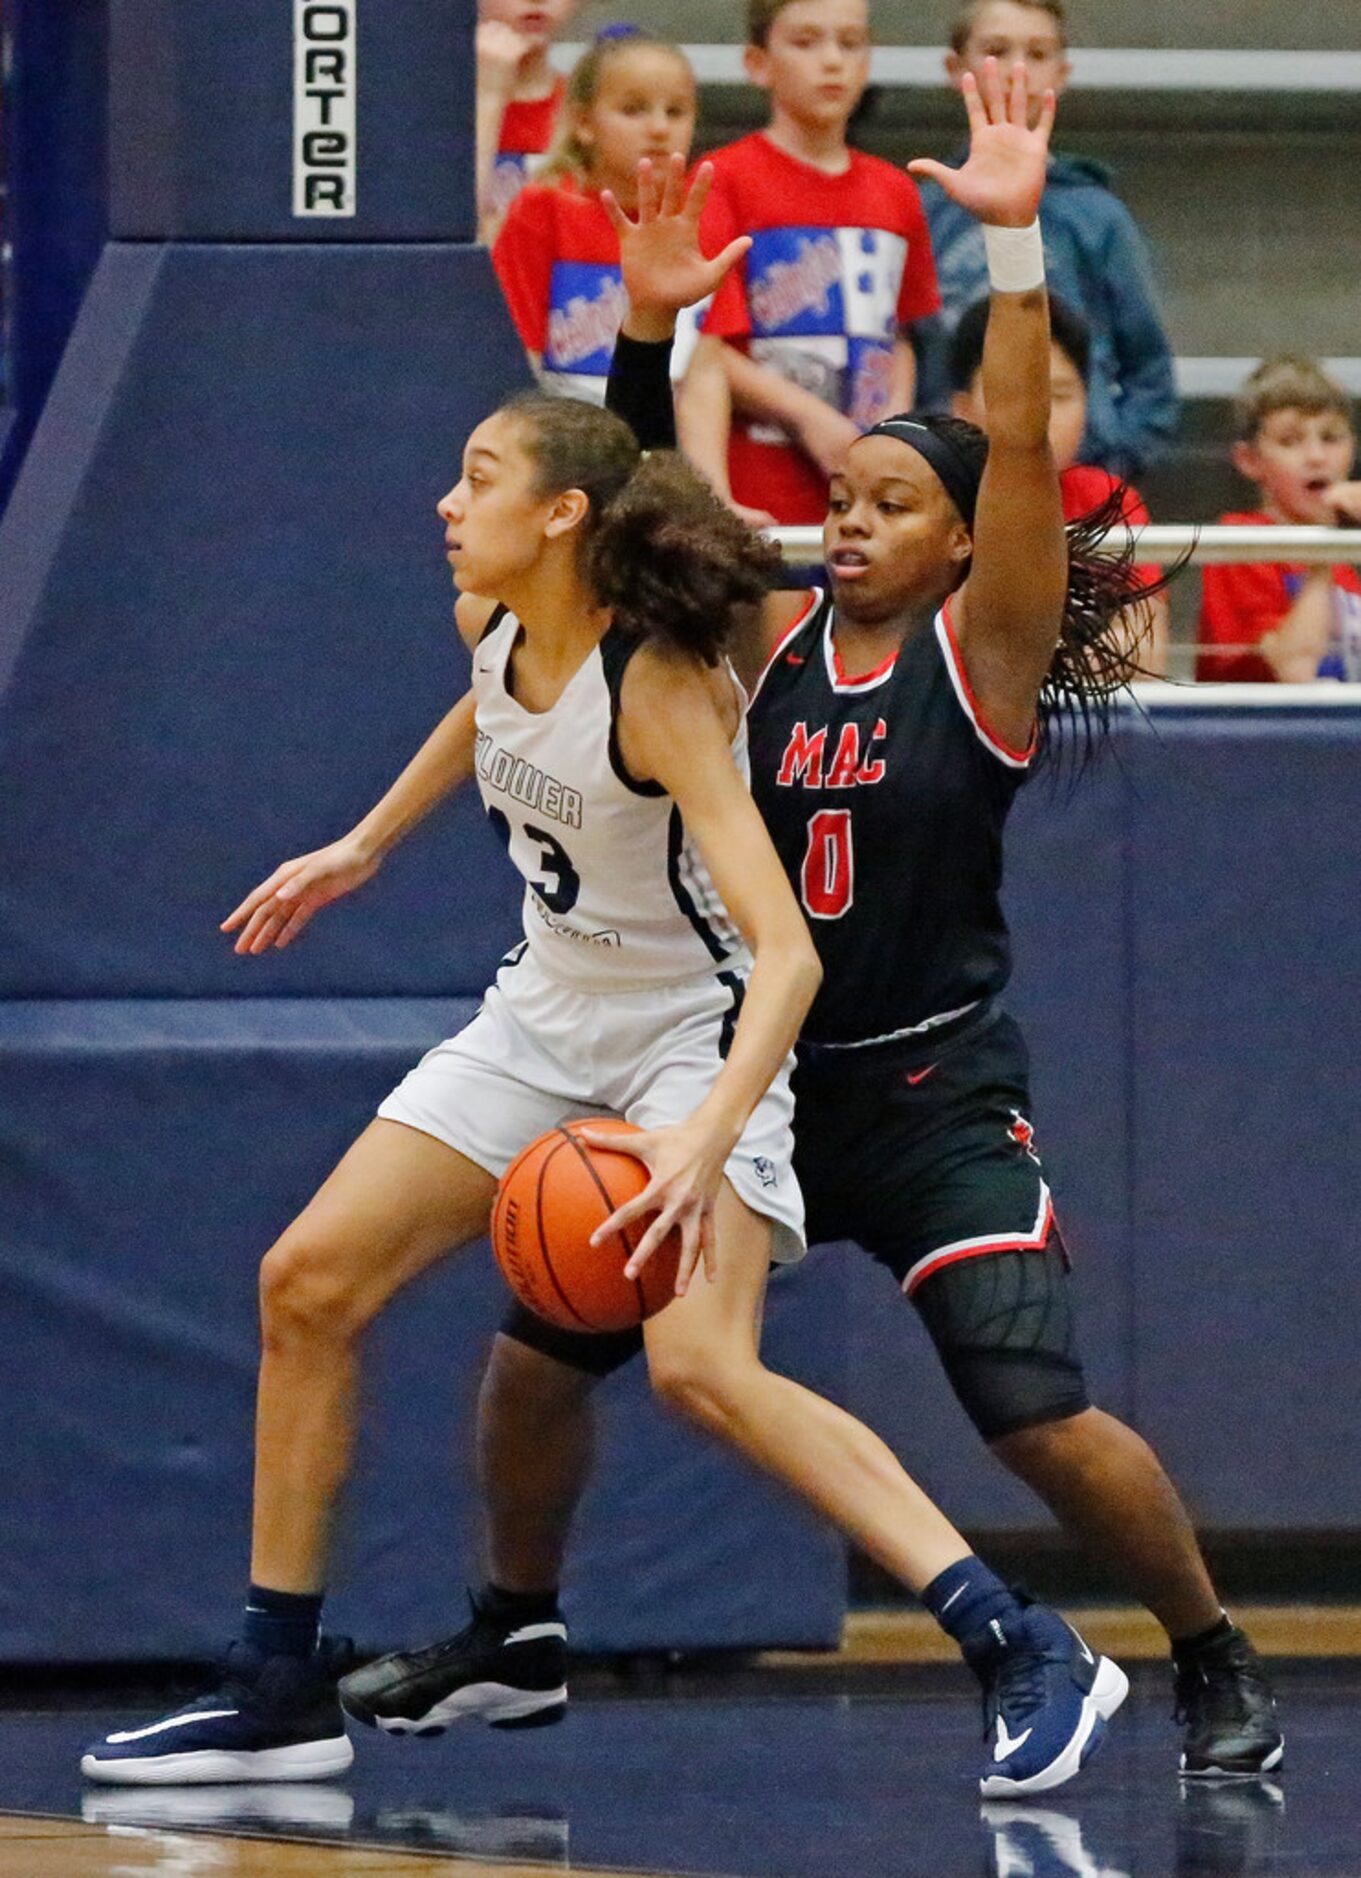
<point x="324" y="68"/>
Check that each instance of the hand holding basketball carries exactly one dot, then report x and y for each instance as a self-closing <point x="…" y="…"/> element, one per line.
<point x="686" y="1163"/>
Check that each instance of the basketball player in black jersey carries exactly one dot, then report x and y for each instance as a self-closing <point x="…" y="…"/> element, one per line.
<point x="891" y="725"/>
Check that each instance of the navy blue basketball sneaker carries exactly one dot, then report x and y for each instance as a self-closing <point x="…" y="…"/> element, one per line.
<point x="269" y="1718"/>
<point x="1047" y="1699"/>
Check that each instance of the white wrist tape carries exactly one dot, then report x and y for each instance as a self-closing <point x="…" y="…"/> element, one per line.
<point x="1015" y="258"/>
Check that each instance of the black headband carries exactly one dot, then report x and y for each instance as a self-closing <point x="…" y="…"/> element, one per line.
<point x="958" y="476"/>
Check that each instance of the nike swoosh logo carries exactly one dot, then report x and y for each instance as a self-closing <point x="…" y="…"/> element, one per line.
<point x="795" y="658"/>
<point x="914" y="1077"/>
<point x="950" y="1600"/>
<point x="1008" y="1744"/>
<point x="175" y="1721"/>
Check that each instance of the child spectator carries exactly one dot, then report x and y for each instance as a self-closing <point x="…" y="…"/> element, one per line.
<point x="557" y="256"/>
<point x="1277" y="620"/>
<point x="804" y="347"/>
<point x="519" y="97"/>
<point x="1083" y="486"/>
<point x="1094" y="255"/>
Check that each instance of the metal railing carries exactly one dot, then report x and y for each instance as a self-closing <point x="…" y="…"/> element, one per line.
<point x="1163" y="542"/>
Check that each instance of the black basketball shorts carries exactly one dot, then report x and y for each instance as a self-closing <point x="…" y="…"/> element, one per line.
<point x="926" y="1158"/>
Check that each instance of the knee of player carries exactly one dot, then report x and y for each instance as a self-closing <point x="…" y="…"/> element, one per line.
<point x="305" y="1293"/>
<point x="696" y="1383"/>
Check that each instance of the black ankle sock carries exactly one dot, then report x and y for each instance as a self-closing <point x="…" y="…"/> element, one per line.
<point x="520" y="1607"/>
<point x="1204" y="1639"/>
<point x="282" y="1623"/>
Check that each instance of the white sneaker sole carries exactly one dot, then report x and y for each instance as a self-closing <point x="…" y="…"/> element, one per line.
<point x="493" y="1702"/>
<point x="306" y="1760"/>
<point x="1268" y="1766"/>
<point x="1104" y="1697"/>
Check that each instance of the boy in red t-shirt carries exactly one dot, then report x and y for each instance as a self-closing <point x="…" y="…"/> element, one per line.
<point x="1083" y="486"/>
<point x="1274" y="620"/>
<point x="805" y="345"/>
<point x="519" y="97"/>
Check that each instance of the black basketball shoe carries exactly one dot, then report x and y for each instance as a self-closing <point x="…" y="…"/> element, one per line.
<point x="510" y="1674"/>
<point x="1225" y="1700"/>
<point x="268" y="1718"/>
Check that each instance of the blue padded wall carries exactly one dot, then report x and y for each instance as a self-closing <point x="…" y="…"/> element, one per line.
<point x="157" y="1148"/>
<point x="226" y="608"/>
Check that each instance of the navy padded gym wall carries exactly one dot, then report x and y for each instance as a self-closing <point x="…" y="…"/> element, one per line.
<point x="225" y="623"/>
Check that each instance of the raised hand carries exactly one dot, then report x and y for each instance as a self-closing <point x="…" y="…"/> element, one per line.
<point x="1004" y="176"/>
<point x="500" y="53"/>
<point x="279" y="908"/>
<point x="663" y="265"/>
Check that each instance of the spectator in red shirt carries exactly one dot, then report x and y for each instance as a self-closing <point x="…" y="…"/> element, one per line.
<point x="805" y="344"/>
<point x="557" y="255"/>
<point x="519" y="97"/>
<point x="1083" y="486"/>
<point x="1277" y="620"/>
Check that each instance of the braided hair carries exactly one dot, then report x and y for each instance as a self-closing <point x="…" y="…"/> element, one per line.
<point x="1097" y="655"/>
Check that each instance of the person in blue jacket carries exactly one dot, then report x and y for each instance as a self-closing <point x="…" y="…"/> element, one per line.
<point x="1095" y="257"/>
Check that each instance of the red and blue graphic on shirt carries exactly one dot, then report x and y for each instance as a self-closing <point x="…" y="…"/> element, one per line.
<point x="823" y="307"/>
<point x="586" y="303"/>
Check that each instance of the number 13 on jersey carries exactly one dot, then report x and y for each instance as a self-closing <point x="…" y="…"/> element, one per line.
<point x="827" y="879"/>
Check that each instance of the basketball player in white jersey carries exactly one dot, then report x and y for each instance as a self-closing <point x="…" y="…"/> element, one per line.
<point x="664" y="974"/>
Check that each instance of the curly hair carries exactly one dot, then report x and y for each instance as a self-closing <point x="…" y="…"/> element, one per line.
<point x="657" y="545"/>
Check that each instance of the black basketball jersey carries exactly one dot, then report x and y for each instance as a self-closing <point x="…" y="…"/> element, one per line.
<point x="886" y="797"/>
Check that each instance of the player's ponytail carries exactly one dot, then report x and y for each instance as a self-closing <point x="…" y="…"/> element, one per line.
<point x="656" y="544"/>
<point x="1107" y="620"/>
<point x="674" y="562"/>
<point x="1107" y="627"/>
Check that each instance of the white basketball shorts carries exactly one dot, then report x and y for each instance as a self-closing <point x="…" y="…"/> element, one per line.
<point x="537" y="1054"/>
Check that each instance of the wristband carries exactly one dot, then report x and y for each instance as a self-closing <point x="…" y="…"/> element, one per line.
<point x="1015" y="258"/>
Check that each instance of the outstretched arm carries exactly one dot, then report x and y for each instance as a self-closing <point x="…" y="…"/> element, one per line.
<point x="276" y="911"/>
<point x="1008" y="614"/>
<point x="664" y="269"/>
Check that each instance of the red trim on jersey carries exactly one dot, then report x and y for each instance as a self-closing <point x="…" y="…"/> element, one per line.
<point x="814" y="600"/>
<point x="836" y="671"/>
<point x="1018" y="759"/>
<point x="1033" y="1241"/>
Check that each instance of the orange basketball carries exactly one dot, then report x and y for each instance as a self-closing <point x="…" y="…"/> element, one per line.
<point x="551" y="1199"/>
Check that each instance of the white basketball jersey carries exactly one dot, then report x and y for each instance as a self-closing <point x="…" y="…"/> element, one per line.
<point x="616" y="898"/>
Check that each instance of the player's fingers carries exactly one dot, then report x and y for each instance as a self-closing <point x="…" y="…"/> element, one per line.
<point x="647" y="192"/>
<point x="1045" y="122"/>
<point x="652" y="1196"/>
<point x="698" y="193"/>
<point x="651" y="1239"/>
<point x="936" y="172"/>
<point x="973" y="104"/>
<point x="638" y="1142"/>
<point x="994" y="96"/>
<point x="1018" y="103"/>
<point x="618" y="220"/>
<point x="691" y="1250"/>
<point x="708" y="1242"/>
<point x="673" y="183"/>
<point x="261" y="938"/>
<point x="720" y="264"/>
<point x="256" y="897"/>
<point x="293" y="925"/>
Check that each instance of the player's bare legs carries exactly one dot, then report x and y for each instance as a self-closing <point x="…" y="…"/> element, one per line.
<point x="398" y="1201"/>
<point x="1104" y="1483"/>
<point x="535" y="1445"/>
<point x="703" y="1358"/>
